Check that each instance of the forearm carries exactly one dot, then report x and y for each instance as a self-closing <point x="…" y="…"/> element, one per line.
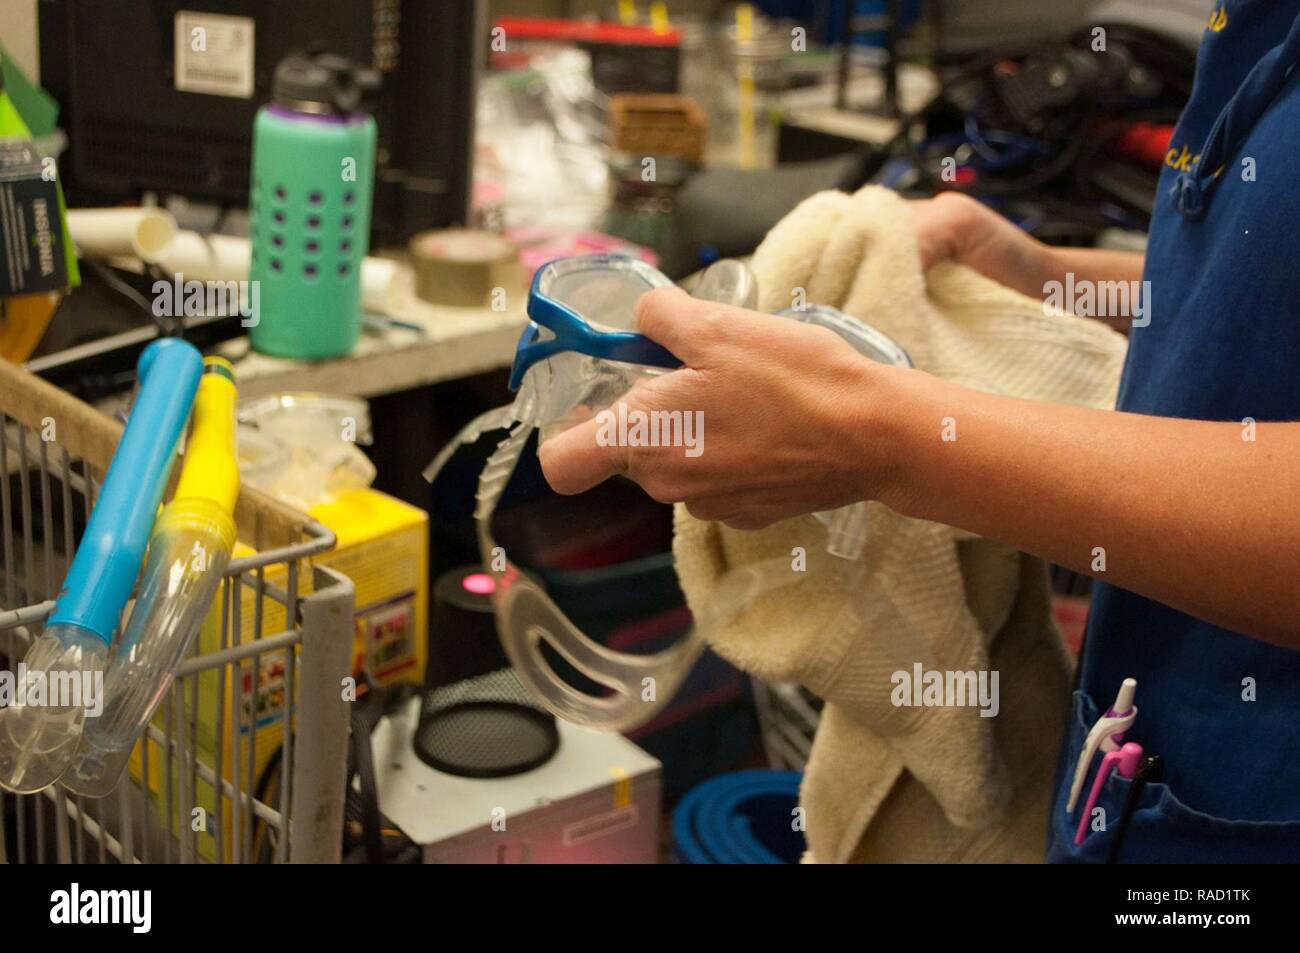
<point x="1186" y="512"/>
<point x="1093" y="264"/>
<point x="1039" y="264"/>
<point x="1098" y="267"/>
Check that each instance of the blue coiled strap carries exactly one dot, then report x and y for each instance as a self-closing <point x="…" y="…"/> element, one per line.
<point x="746" y="817"/>
<point x="103" y="572"/>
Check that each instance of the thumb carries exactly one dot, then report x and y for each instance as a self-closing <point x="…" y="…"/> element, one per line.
<point x="575" y="460"/>
<point x="671" y="317"/>
<point x="935" y="229"/>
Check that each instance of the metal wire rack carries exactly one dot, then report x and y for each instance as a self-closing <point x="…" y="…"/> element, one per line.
<point x="217" y="777"/>
<point x="788" y="716"/>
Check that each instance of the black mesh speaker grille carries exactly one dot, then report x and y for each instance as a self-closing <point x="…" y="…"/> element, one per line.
<point x="485" y="727"/>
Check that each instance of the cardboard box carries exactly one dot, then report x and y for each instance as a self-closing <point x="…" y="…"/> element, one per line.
<point x="383" y="547"/>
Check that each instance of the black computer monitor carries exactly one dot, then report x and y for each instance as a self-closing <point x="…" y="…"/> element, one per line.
<point x="144" y="114"/>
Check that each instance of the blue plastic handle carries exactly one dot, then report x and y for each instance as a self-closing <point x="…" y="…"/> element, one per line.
<point x="104" y="570"/>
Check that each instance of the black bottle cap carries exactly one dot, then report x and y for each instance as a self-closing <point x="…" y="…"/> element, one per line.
<point x="322" y="83"/>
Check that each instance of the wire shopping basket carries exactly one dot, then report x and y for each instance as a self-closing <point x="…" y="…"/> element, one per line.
<point x="245" y="759"/>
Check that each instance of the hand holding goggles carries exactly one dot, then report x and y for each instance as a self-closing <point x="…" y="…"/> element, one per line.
<point x="564" y="301"/>
<point x="580" y="354"/>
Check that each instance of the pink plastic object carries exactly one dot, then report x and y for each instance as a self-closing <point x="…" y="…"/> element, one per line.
<point x="1127" y="758"/>
<point x="539" y="247"/>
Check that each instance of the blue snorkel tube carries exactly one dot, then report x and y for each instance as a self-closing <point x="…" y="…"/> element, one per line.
<point x="63" y="671"/>
<point x="104" y="571"/>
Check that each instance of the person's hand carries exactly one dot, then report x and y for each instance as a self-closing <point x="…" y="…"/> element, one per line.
<point x="953" y="226"/>
<point x="779" y="410"/>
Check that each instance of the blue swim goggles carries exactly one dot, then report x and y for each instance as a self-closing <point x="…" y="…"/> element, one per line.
<point x="564" y="296"/>
<point x="568" y="291"/>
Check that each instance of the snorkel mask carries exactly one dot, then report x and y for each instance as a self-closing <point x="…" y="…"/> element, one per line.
<point x="579" y="354"/>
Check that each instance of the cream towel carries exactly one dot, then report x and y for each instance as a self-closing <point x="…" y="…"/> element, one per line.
<point x="952" y="784"/>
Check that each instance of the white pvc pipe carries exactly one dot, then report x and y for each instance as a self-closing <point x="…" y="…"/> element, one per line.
<point x="115" y="232"/>
<point x="377" y="276"/>
<point x="225" y="258"/>
<point x="206" y="257"/>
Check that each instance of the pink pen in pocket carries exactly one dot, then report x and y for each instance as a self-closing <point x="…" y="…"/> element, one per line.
<point x="1126" y="760"/>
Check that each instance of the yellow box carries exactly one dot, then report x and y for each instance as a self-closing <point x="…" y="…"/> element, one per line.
<point x="383" y="548"/>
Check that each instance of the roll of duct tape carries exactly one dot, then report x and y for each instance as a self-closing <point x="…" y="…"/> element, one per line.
<point x="462" y="266"/>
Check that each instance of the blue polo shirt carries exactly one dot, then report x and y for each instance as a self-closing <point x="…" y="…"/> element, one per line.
<point x="1223" y="343"/>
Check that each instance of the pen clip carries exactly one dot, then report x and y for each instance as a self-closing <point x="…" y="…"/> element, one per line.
<point x="1106" y="736"/>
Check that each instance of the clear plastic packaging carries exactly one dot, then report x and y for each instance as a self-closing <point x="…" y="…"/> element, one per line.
<point x="293" y="414"/>
<point x="540" y="144"/>
<point x="301" y="447"/>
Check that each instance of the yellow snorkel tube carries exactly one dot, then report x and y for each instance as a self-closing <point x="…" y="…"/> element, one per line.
<point x="188" y="554"/>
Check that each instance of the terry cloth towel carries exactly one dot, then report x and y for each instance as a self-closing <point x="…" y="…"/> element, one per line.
<point x="888" y="782"/>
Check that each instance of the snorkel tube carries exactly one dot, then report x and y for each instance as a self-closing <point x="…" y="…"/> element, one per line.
<point x="188" y="554"/>
<point x="64" y="668"/>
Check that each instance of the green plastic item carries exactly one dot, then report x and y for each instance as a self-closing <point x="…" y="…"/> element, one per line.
<point x="40" y="111"/>
<point x="309" y="224"/>
<point x="27" y="111"/>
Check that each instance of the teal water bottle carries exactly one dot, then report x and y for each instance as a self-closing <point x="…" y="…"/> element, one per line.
<point x="309" y="208"/>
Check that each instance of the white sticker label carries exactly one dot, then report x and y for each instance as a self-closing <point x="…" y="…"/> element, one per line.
<point x="214" y="54"/>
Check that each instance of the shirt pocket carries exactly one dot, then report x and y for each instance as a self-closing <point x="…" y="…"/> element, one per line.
<point x="1162" y="828"/>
